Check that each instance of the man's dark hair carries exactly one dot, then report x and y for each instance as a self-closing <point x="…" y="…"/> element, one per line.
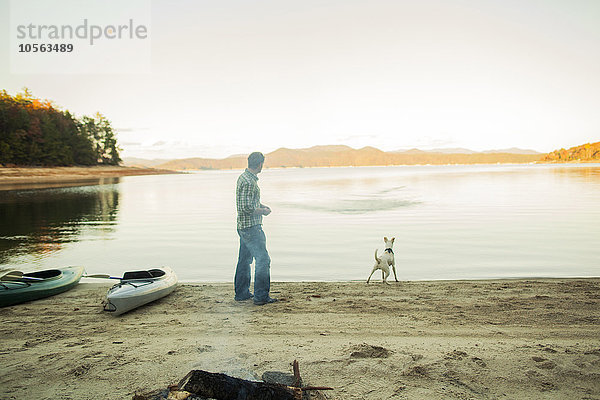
<point x="255" y="159"/>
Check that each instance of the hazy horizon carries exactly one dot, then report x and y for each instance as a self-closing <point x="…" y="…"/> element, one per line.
<point x="447" y="150"/>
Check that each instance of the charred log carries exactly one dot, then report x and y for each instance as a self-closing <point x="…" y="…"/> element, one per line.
<point x="224" y="387"/>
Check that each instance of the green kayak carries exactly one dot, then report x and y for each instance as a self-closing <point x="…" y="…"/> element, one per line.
<point x="17" y="287"/>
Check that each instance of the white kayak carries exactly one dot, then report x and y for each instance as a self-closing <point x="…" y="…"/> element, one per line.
<point x="138" y="288"/>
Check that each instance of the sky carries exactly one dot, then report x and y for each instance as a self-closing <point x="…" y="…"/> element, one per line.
<point x="235" y="76"/>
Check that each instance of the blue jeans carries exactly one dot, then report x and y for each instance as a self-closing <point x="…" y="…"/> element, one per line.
<point x="253" y="245"/>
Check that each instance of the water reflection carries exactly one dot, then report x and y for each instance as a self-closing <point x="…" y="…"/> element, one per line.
<point x="41" y="221"/>
<point x="584" y="173"/>
<point x="45" y="184"/>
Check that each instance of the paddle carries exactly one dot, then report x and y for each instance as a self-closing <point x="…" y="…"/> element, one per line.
<point x="102" y="276"/>
<point x="17" y="275"/>
<point x="128" y="276"/>
<point x="13" y="272"/>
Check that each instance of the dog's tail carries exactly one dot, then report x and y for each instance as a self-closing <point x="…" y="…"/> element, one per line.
<point x="376" y="258"/>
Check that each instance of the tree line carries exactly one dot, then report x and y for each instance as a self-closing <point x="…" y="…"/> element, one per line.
<point x="36" y="132"/>
<point x="587" y="152"/>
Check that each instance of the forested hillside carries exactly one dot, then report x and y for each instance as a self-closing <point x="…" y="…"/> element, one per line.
<point x="589" y="152"/>
<point x="35" y="132"/>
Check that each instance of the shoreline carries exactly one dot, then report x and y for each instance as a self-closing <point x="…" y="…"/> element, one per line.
<point x="513" y="338"/>
<point x="16" y="178"/>
<point x="396" y="165"/>
<point x="425" y="280"/>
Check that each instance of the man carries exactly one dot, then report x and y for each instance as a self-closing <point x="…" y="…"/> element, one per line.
<point x="253" y="242"/>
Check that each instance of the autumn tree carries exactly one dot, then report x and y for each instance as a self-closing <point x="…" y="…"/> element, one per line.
<point x="36" y="132"/>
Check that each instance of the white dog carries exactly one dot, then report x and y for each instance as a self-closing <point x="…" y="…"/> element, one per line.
<point x="385" y="261"/>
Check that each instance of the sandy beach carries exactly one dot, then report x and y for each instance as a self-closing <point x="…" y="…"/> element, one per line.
<point x="513" y="339"/>
<point x="14" y="178"/>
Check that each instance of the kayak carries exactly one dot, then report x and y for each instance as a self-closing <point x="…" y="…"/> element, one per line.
<point x="138" y="288"/>
<point x="17" y="287"/>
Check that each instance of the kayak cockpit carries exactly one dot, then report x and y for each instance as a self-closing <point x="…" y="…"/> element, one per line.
<point x="46" y="274"/>
<point x="149" y="274"/>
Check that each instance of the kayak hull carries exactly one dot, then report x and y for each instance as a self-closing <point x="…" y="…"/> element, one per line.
<point x="31" y="287"/>
<point x="133" y="293"/>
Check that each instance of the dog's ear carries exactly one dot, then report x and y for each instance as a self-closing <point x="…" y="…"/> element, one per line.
<point x="385" y="239"/>
<point x="393" y="239"/>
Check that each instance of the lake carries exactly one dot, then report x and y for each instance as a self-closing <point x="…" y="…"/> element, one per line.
<point x="450" y="222"/>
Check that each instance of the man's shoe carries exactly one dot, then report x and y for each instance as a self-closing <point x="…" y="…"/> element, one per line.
<point x="268" y="301"/>
<point x="244" y="298"/>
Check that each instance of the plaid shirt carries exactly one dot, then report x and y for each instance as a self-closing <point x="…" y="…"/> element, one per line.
<point x="247" y="199"/>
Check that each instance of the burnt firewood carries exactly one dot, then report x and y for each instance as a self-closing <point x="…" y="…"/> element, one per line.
<point x="224" y="387"/>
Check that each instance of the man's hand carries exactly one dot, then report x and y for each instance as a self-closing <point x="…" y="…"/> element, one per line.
<point x="264" y="210"/>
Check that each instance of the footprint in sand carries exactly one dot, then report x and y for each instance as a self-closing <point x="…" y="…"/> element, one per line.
<point x="368" y="351"/>
<point x="543" y="363"/>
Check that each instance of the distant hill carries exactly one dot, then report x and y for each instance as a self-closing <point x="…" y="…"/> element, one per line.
<point x="142" y="162"/>
<point x="513" y="150"/>
<point x="589" y="152"/>
<point x="457" y="150"/>
<point x="342" y="156"/>
<point x="236" y="162"/>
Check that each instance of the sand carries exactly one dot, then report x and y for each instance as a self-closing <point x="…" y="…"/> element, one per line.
<point x="14" y="178"/>
<point x="513" y="339"/>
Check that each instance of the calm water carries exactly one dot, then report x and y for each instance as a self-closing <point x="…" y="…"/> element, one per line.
<point x="450" y="222"/>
